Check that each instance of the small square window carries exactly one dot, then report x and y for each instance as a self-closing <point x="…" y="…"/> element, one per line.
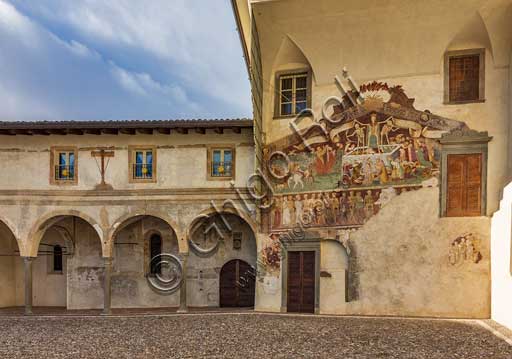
<point x="293" y="93"/>
<point x="63" y="163"/>
<point x="221" y="163"/>
<point x="142" y="164"/>
<point x="464" y="76"/>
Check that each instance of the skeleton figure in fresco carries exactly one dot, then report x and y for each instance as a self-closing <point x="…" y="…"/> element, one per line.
<point x="352" y="208"/>
<point x="369" y="203"/>
<point x="319" y="211"/>
<point x="360" y="135"/>
<point x="360" y="209"/>
<point x="386" y="129"/>
<point x="277" y="212"/>
<point x="298" y="208"/>
<point x="343" y="208"/>
<point x="335" y="205"/>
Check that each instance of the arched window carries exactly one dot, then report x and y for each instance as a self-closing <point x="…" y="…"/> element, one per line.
<point x="155" y="249"/>
<point x="57" y="258"/>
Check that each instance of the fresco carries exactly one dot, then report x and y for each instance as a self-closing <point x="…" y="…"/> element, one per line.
<point x="333" y="173"/>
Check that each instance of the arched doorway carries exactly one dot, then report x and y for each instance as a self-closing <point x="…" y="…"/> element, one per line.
<point x="237" y="284"/>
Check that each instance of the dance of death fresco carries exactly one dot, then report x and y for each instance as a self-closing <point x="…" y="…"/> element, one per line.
<point x="341" y="171"/>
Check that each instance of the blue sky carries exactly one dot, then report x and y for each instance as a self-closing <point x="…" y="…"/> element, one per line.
<point x="120" y="59"/>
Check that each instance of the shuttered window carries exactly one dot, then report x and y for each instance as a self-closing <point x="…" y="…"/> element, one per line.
<point x="464" y="197"/>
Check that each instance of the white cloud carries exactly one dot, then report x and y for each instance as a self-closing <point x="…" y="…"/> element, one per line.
<point x="143" y="84"/>
<point x="90" y="59"/>
<point x="195" y="40"/>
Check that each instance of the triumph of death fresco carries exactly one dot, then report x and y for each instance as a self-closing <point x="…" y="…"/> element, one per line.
<point x="342" y="170"/>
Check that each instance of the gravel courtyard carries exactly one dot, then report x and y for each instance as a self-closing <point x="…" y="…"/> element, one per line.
<point x="246" y="335"/>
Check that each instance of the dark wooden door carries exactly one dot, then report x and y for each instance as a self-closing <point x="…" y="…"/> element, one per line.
<point x="301" y="282"/>
<point x="237" y="284"/>
<point x="464" y="197"/>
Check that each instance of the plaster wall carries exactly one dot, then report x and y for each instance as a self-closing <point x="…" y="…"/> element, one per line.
<point x="203" y="272"/>
<point x="181" y="160"/>
<point x="501" y="253"/>
<point x="130" y="288"/>
<point x="49" y="287"/>
<point x="85" y="270"/>
<point x="7" y="268"/>
<point x="334" y="263"/>
<point x="400" y="262"/>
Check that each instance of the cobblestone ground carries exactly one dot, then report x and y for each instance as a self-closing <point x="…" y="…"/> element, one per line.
<point x="244" y="336"/>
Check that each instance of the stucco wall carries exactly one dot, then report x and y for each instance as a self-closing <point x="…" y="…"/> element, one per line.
<point x="203" y="272"/>
<point x="401" y="262"/>
<point x="7" y="268"/>
<point x="501" y="252"/>
<point x="130" y="288"/>
<point x="179" y="157"/>
<point x="85" y="271"/>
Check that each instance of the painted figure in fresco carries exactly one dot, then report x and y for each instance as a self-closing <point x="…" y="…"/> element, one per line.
<point x="343" y="208"/>
<point x="384" y="133"/>
<point x="325" y="159"/>
<point x="352" y="208"/>
<point x="335" y="205"/>
<point x="411" y="152"/>
<point x="330" y="214"/>
<point x="382" y="171"/>
<point x="367" y="173"/>
<point x="286" y="220"/>
<point x="369" y="204"/>
<point x="296" y="177"/>
<point x="373" y="132"/>
<point x="360" y="210"/>
<point x="277" y="212"/>
<point x="360" y="136"/>
<point x="298" y="209"/>
<point x="291" y="208"/>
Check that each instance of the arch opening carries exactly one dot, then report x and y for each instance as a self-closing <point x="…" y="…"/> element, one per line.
<point x="137" y="245"/>
<point x="11" y="267"/>
<point x="223" y="238"/>
<point x="68" y="269"/>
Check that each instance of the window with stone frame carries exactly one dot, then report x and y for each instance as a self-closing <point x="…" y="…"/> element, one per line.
<point x="464" y="76"/>
<point x="221" y="163"/>
<point x="63" y="165"/>
<point x="293" y="93"/>
<point x="142" y="164"/>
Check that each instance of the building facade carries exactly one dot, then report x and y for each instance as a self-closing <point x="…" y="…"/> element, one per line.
<point x="85" y="207"/>
<point x="372" y="179"/>
<point x="383" y="129"/>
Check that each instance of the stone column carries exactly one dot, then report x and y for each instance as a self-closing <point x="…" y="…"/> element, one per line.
<point x="183" y="289"/>
<point x="27" y="261"/>
<point x="107" y="293"/>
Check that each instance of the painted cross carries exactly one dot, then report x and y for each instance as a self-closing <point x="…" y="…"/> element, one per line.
<point x="103" y="153"/>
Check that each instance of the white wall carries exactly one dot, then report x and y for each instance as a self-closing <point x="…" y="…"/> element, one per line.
<point x="501" y="249"/>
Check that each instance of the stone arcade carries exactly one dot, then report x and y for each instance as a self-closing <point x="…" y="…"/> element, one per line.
<point x="368" y="182"/>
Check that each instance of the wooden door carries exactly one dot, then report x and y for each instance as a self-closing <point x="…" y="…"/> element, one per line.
<point x="464" y="195"/>
<point x="301" y="282"/>
<point x="237" y="284"/>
